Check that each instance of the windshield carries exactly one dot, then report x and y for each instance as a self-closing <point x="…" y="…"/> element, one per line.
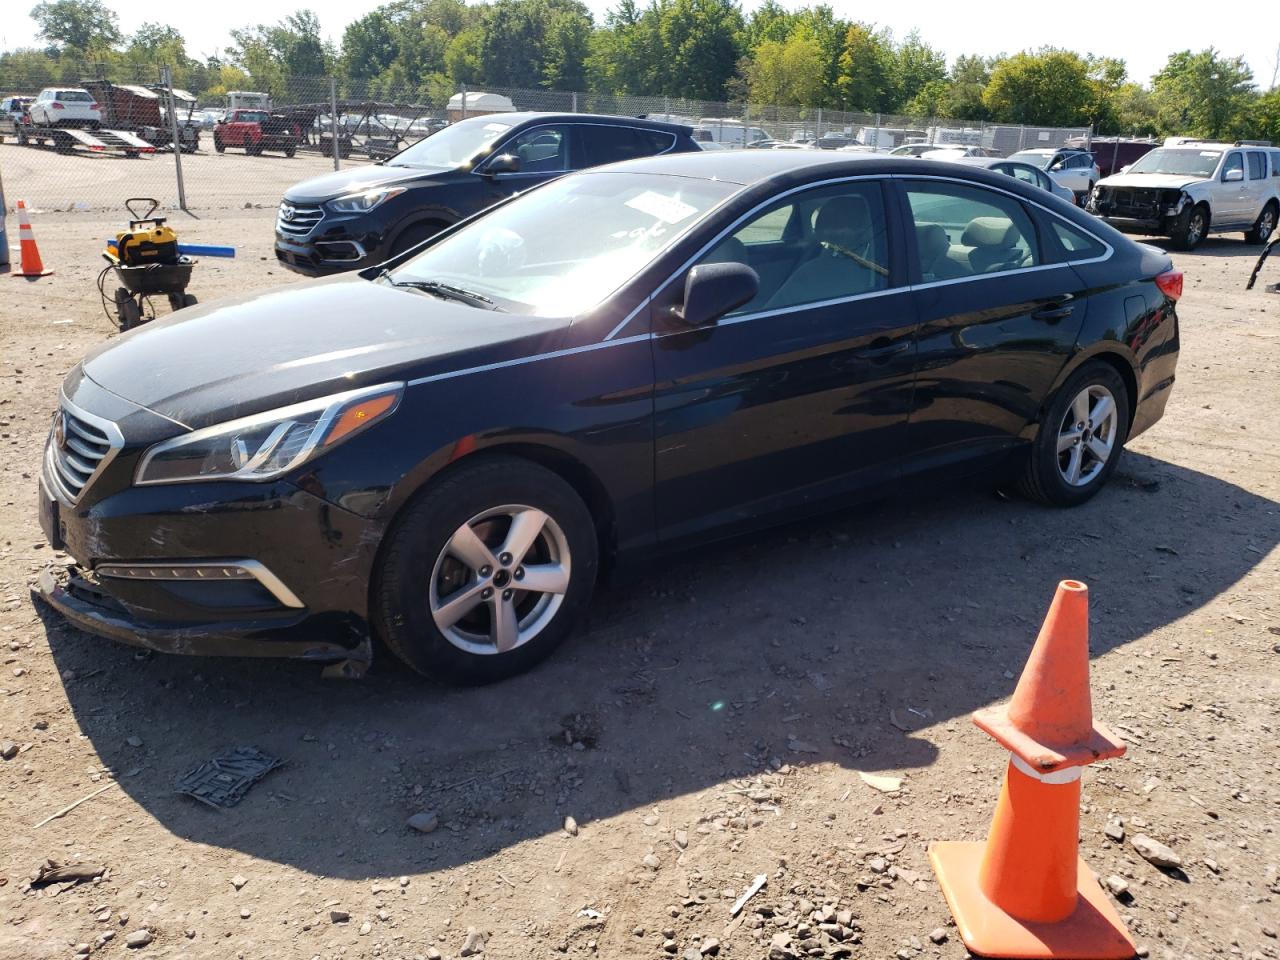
<point x="454" y="146"/>
<point x="1040" y="160"/>
<point x="1187" y="163"/>
<point x="561" y="249"/>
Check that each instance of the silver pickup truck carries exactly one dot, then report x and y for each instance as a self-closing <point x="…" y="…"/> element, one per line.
<point x="1187" y="189"/>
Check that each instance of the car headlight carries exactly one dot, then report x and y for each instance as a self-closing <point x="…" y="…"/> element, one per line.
<point x="364" y="202"/>
<point x="268" y="445"/>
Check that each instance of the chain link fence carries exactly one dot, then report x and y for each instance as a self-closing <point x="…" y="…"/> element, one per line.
<point x="307" y="126"/>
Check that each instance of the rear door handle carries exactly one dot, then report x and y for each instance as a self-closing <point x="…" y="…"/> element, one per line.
<point x="881" y="353"/>
<point x="1053" y="313"/>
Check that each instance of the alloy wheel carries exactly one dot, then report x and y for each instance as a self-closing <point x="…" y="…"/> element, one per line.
<point x="1195" y="229"/>
<point x="1266" y="224"/>
<point x="1087" y="435"/>
<point x="500" y="579"/>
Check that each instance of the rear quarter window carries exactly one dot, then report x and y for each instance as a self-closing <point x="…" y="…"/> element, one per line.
<point x="1075" y="243"/>
<point x="1257" y="164"/>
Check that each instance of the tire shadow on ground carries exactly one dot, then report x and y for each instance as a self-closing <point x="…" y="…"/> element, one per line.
<point x="841" y="640"/>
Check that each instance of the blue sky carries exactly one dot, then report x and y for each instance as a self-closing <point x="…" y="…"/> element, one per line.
<point x="1142" y="34"/>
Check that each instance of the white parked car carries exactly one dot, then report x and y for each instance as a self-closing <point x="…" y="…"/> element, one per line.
<point x="1019" y="171"/>
<point x="1189" y="190"/>
<point x="64" y="107"/>
<point x="954" y="151"/>
<point x="913" y="150"/>
<point x="1074" y="169"/>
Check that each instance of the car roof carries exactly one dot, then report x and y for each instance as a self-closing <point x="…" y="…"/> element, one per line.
<point x="532" y="116"/>
<point x="750" y="167"/>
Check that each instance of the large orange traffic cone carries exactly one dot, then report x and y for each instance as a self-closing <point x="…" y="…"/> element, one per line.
<point x="32" y="265"/>
<point x="1026" y="893"/>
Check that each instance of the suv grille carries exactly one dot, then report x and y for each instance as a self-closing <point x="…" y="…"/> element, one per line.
<point x="1142" y="204"/>
<point x="298" y="219"/>
<point x="76" y="451"/>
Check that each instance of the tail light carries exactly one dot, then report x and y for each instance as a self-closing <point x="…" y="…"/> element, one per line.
<point x="93" y="106"/>
<point x="58" y="106"/>
<point x="1170" y="283"/>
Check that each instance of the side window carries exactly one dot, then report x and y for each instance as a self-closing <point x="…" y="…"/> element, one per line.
<point x="1257" y="164"/>
<point x="540" y="150"/>
<point x="1275" y="164"/>
<point x="603" y="144"/>
<point x="1234" y="161"/>
<point x="966" y="231"/>
<point x="824" y="244"/>
<point x="1077" y="244"/>
<point x="1019" y="172"/>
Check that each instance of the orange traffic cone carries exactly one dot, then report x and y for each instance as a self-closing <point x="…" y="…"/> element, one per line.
<point x="32" y="265"/>
<point x="1026" y="893"/>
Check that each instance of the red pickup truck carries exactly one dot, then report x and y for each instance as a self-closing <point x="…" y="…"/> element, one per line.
<point x="256" y="131"/>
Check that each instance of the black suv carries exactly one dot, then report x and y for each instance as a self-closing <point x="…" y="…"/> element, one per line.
<point x="355" y="218"/>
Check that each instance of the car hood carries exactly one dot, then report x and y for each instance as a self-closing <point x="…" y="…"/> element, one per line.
<point x="215" y="362"/>
<point x="354" y="179"/>
<point x="1156" y="181"/>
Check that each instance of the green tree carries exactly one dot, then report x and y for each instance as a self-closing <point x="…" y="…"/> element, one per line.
<point x="285" y="58"/>
<point x="1135" y="111"/>
<point x="1204" y="94"/>
<point x="462" y="56"/>
<point x="865" y="81"/>
<point x="81" y="25"/>
<point x="697" y="46"/>
<point x="369" y="45"/>
<point x="1266" y="116"/>
<point x="916" y="65"/>
<point x="515" y="49"/>
<point x="786" y="72"/>
<point x="1048" y="88"/>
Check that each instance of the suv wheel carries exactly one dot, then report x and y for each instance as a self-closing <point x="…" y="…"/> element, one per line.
<point x="1080" y="438"/>
<point x="486" y="573"/>
<point x="414" y="235"/>
<point x="1264" y="226"/>
<point x="1190" y="227"/>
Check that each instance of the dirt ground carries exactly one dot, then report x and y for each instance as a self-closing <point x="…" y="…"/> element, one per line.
<point x="708" y="724"/>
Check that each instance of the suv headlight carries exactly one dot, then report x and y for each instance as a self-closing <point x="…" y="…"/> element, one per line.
<point x="268" y="445"/>
<point x="364" y="202"/>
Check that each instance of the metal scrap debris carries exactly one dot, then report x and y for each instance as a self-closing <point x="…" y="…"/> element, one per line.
<point x="223" y="781"/>
<point x="757" y="885"/>
<point x="51" y="871"/>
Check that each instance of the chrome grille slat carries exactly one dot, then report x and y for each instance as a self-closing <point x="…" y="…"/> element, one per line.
<point x="83" y="429"/>
<point x="304" y="218"/>
<point x="78" y="448"/>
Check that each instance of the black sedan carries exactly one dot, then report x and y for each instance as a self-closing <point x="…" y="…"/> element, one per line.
<point x="447" y="450"/>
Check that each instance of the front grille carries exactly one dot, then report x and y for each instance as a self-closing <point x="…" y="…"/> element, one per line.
<point x="1138" y="204"/>
<point x="79" y="446"/>
<point x="298" y="219"/>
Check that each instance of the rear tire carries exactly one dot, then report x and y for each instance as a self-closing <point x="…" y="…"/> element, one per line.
<point x="429" y="600"/>
<point x="1190" y="228"/>
<point x="1264" y="226"/>
<point x="1081" y="438"/>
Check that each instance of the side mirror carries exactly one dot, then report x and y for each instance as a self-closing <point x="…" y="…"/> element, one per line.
<point x="1233" y="176"/>
<point x="1125" y="168"/>
<point x="1056" y="166"/>
<point x="503" y="163"/>
<point x="713" y="289"/>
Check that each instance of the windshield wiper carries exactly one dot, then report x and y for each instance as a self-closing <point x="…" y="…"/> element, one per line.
<point x="445" y="291"/>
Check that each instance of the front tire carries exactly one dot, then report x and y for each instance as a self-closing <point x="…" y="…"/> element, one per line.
<point x="1264" y="226"/>
<point x="486" y="572"/>
<point x="414" y="235"/>
<point x="1080" y="440"/>
<point x="1190" y="228"/>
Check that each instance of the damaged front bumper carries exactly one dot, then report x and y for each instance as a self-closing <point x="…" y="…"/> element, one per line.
<point x="84" y="602"/>
<point x="1132" y="210"/>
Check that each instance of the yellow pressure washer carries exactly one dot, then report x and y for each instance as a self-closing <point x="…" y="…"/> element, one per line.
<point x="146" y="260"/>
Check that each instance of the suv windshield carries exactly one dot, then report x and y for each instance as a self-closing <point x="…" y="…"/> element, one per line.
<point x="1184" y="162"/>
<point x="454" y="146"/>
<point x="561" y="249"/>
